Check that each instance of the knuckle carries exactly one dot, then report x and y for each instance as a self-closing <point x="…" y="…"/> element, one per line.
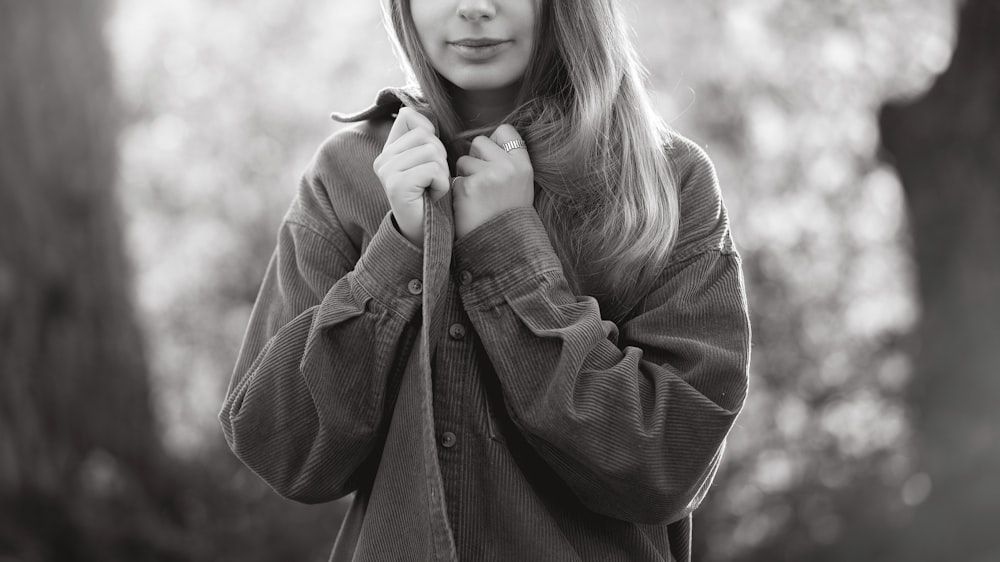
<point x="427" y="136"/>
<point x="409" y="134"/>
<point x="429" y="151"/>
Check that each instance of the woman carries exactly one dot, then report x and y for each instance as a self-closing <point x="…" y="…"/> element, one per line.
<point x="505" y="309"/>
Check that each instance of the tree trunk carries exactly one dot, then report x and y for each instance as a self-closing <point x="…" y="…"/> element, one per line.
<point x="946" y="147"/>
<point x="76" y="423"/>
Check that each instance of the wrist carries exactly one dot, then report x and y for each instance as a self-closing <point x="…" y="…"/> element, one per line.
<point x="417" y="238"/>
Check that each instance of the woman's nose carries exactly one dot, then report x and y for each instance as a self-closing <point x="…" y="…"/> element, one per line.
<point x="476" y="10"/>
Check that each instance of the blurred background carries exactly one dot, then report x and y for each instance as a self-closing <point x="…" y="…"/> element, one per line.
<point x="149" y="150"/>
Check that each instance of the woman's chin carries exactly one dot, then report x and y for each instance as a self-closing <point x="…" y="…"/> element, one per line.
<point x="485" y="83"/>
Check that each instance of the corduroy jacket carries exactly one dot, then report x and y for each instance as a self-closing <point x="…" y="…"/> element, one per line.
<point x="475" y="406"/>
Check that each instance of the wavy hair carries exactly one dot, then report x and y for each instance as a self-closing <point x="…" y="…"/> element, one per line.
<point x="606" y="191"/>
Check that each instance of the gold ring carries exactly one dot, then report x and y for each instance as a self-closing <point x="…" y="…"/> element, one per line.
<point x="508" y="146"/>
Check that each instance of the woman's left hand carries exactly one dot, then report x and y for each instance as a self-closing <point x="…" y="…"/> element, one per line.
<point x="491" y="180"/>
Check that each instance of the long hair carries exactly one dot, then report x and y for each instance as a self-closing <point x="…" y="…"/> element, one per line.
<point x="606" y="191"/>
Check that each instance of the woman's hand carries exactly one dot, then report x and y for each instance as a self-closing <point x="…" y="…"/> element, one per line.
<point x="491" y="180"/>
<point x="412" y="160"/>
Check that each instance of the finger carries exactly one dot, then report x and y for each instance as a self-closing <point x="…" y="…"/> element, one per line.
<point x="506" y="133"/>
<point x="440" y="183"/>
<point x="427" y="175"/>
<point x="420" y="154"/>
<point x="457" y="187"/>
<point x="468" y="165"/>
<point x="416" y="137"/>
<point x="426" y="119"/>
<point x="484" y="148"/>
<point x="410" y="140"/>
<point x="408" y="119"/>
<point x="400" y="127"/>
<point x="437" y="193"/>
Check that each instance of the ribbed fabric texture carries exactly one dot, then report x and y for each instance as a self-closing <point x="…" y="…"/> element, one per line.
<point x="477" y="408"/>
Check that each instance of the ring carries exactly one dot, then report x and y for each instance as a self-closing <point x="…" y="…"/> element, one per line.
<point x="508" y="146"/>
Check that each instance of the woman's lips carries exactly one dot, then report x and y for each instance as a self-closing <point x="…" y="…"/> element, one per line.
<point x="478" y="49"/>
<point x="478" y="41"/>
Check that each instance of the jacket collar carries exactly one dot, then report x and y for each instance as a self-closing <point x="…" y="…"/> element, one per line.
<point x="387" y="103"/>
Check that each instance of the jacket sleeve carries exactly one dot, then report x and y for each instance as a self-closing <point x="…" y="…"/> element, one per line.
<point x="633" y="417"/>
<point x="328" y="333"/>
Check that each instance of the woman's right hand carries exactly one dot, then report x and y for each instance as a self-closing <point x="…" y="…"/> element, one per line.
<point x="412" y="160"/>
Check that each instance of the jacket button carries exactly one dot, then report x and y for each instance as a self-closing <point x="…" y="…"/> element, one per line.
<point x="415" y="286"/>
<point x="465" y="277"/>
<point x="456" y="331"/>
<point x="448" y="439"/>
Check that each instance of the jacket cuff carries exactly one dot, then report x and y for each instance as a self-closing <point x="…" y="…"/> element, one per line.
<point x="505" y="251"/>
<point x="391" y="270"/>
